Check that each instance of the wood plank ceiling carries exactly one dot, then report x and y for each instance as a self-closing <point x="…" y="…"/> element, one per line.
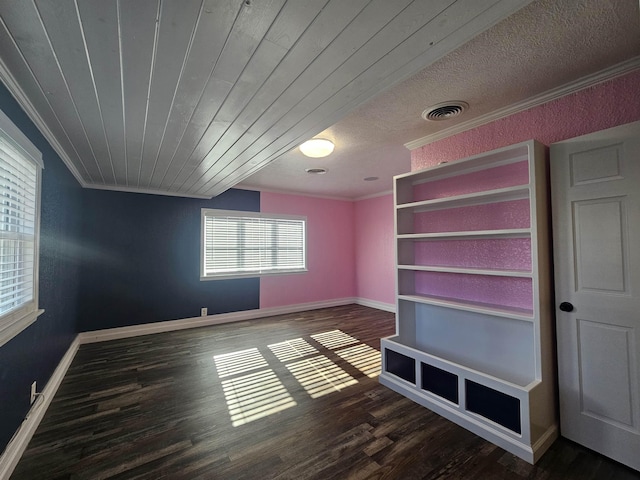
<point x="190" y="97"/>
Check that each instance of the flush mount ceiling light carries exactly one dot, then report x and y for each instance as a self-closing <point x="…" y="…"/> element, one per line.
<point x="317" y="147"/>
<point x="445" y="110"/>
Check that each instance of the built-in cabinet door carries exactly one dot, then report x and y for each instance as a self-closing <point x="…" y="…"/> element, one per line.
<point x="596" y="237"/>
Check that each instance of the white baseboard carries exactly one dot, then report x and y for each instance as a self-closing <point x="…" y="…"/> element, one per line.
<point x="18" y="444"/>
<point x="171" y="325"/>
<point x="545" y="441"/>
<point x="387" y="307"/>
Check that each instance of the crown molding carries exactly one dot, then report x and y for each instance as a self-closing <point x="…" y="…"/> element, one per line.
<point x="148" y="191"/>
<point x="292" y="192"/>
<point x="14" y="88"/>
<point x="537" y="100"/>
<point x="311" y="195"/>
<point x="373" y="195"/>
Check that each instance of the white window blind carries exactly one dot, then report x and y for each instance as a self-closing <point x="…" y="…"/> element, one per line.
<point x="237" y="244"/>
<point x="20" y="166"/>
<point x="18" y="190"/>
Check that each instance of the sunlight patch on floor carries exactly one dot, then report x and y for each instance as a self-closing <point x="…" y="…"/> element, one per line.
<point x="364" y="358"/>
<point x="255" y="396"/>
<point x="292" y="349"/>
<point x="320" y="376"/>
<point x="239" y="362"/>
<point x="334" y="339"/>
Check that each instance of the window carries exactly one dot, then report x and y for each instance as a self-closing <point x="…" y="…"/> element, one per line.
<point x="20" y="167"/>
<point x="248" y="244"/>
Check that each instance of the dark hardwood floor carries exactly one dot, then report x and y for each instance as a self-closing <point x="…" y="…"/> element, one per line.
<point x="265" y="399"/>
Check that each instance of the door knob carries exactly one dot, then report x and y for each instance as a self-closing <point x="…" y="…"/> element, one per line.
<point x="566" y="307"/>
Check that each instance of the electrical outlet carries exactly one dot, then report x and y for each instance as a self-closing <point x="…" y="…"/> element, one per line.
<point x="203" y="312"/>
<point x="34" y="392"/>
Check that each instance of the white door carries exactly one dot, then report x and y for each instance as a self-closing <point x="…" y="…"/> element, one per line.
<point x="595" y="186"/>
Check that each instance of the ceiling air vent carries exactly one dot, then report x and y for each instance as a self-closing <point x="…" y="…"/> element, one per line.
<point x="316" y="171"/>
<point x="444" y="111"/>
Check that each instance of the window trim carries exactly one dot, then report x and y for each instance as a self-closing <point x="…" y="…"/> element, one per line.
<point x="208" y="212"/>
<point x="14" y="322"/>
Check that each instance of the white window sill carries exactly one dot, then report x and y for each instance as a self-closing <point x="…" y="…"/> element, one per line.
<point x="11" y="328"/>
<point x="253" y="274"/>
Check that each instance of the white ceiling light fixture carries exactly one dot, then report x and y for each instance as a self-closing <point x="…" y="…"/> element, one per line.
<point x="317" y="147"/>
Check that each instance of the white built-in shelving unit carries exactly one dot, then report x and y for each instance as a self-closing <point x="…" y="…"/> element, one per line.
<point x="474" y="309"/>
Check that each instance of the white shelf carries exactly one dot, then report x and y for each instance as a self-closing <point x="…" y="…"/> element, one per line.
<point x="519" y="192"/>
<point x="473" y="234"/>
<point x="483" y="161"/>
<point x="477" y="307"/>
<point x="500" y="377"/>
<point x="502" y="356"/>
<point x="467" y="271"/>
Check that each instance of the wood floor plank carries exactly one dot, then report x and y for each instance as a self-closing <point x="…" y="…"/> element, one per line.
<point x="274" y="398"/>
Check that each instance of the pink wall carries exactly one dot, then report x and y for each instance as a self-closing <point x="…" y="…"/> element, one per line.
<point x="350" y="245"/>
<point x="330" y="252"/>
<point x="606" y="105"/>
<point x="375" y="259"/>
<point x="603" y="106"/>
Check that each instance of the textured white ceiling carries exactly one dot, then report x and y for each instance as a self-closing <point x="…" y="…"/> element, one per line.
<point x="543" y="46"/>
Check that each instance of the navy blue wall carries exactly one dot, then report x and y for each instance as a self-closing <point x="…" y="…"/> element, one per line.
<point x="109" y="259"/>
<point x="142" y="260"/>
<point x="35" y="352"/>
